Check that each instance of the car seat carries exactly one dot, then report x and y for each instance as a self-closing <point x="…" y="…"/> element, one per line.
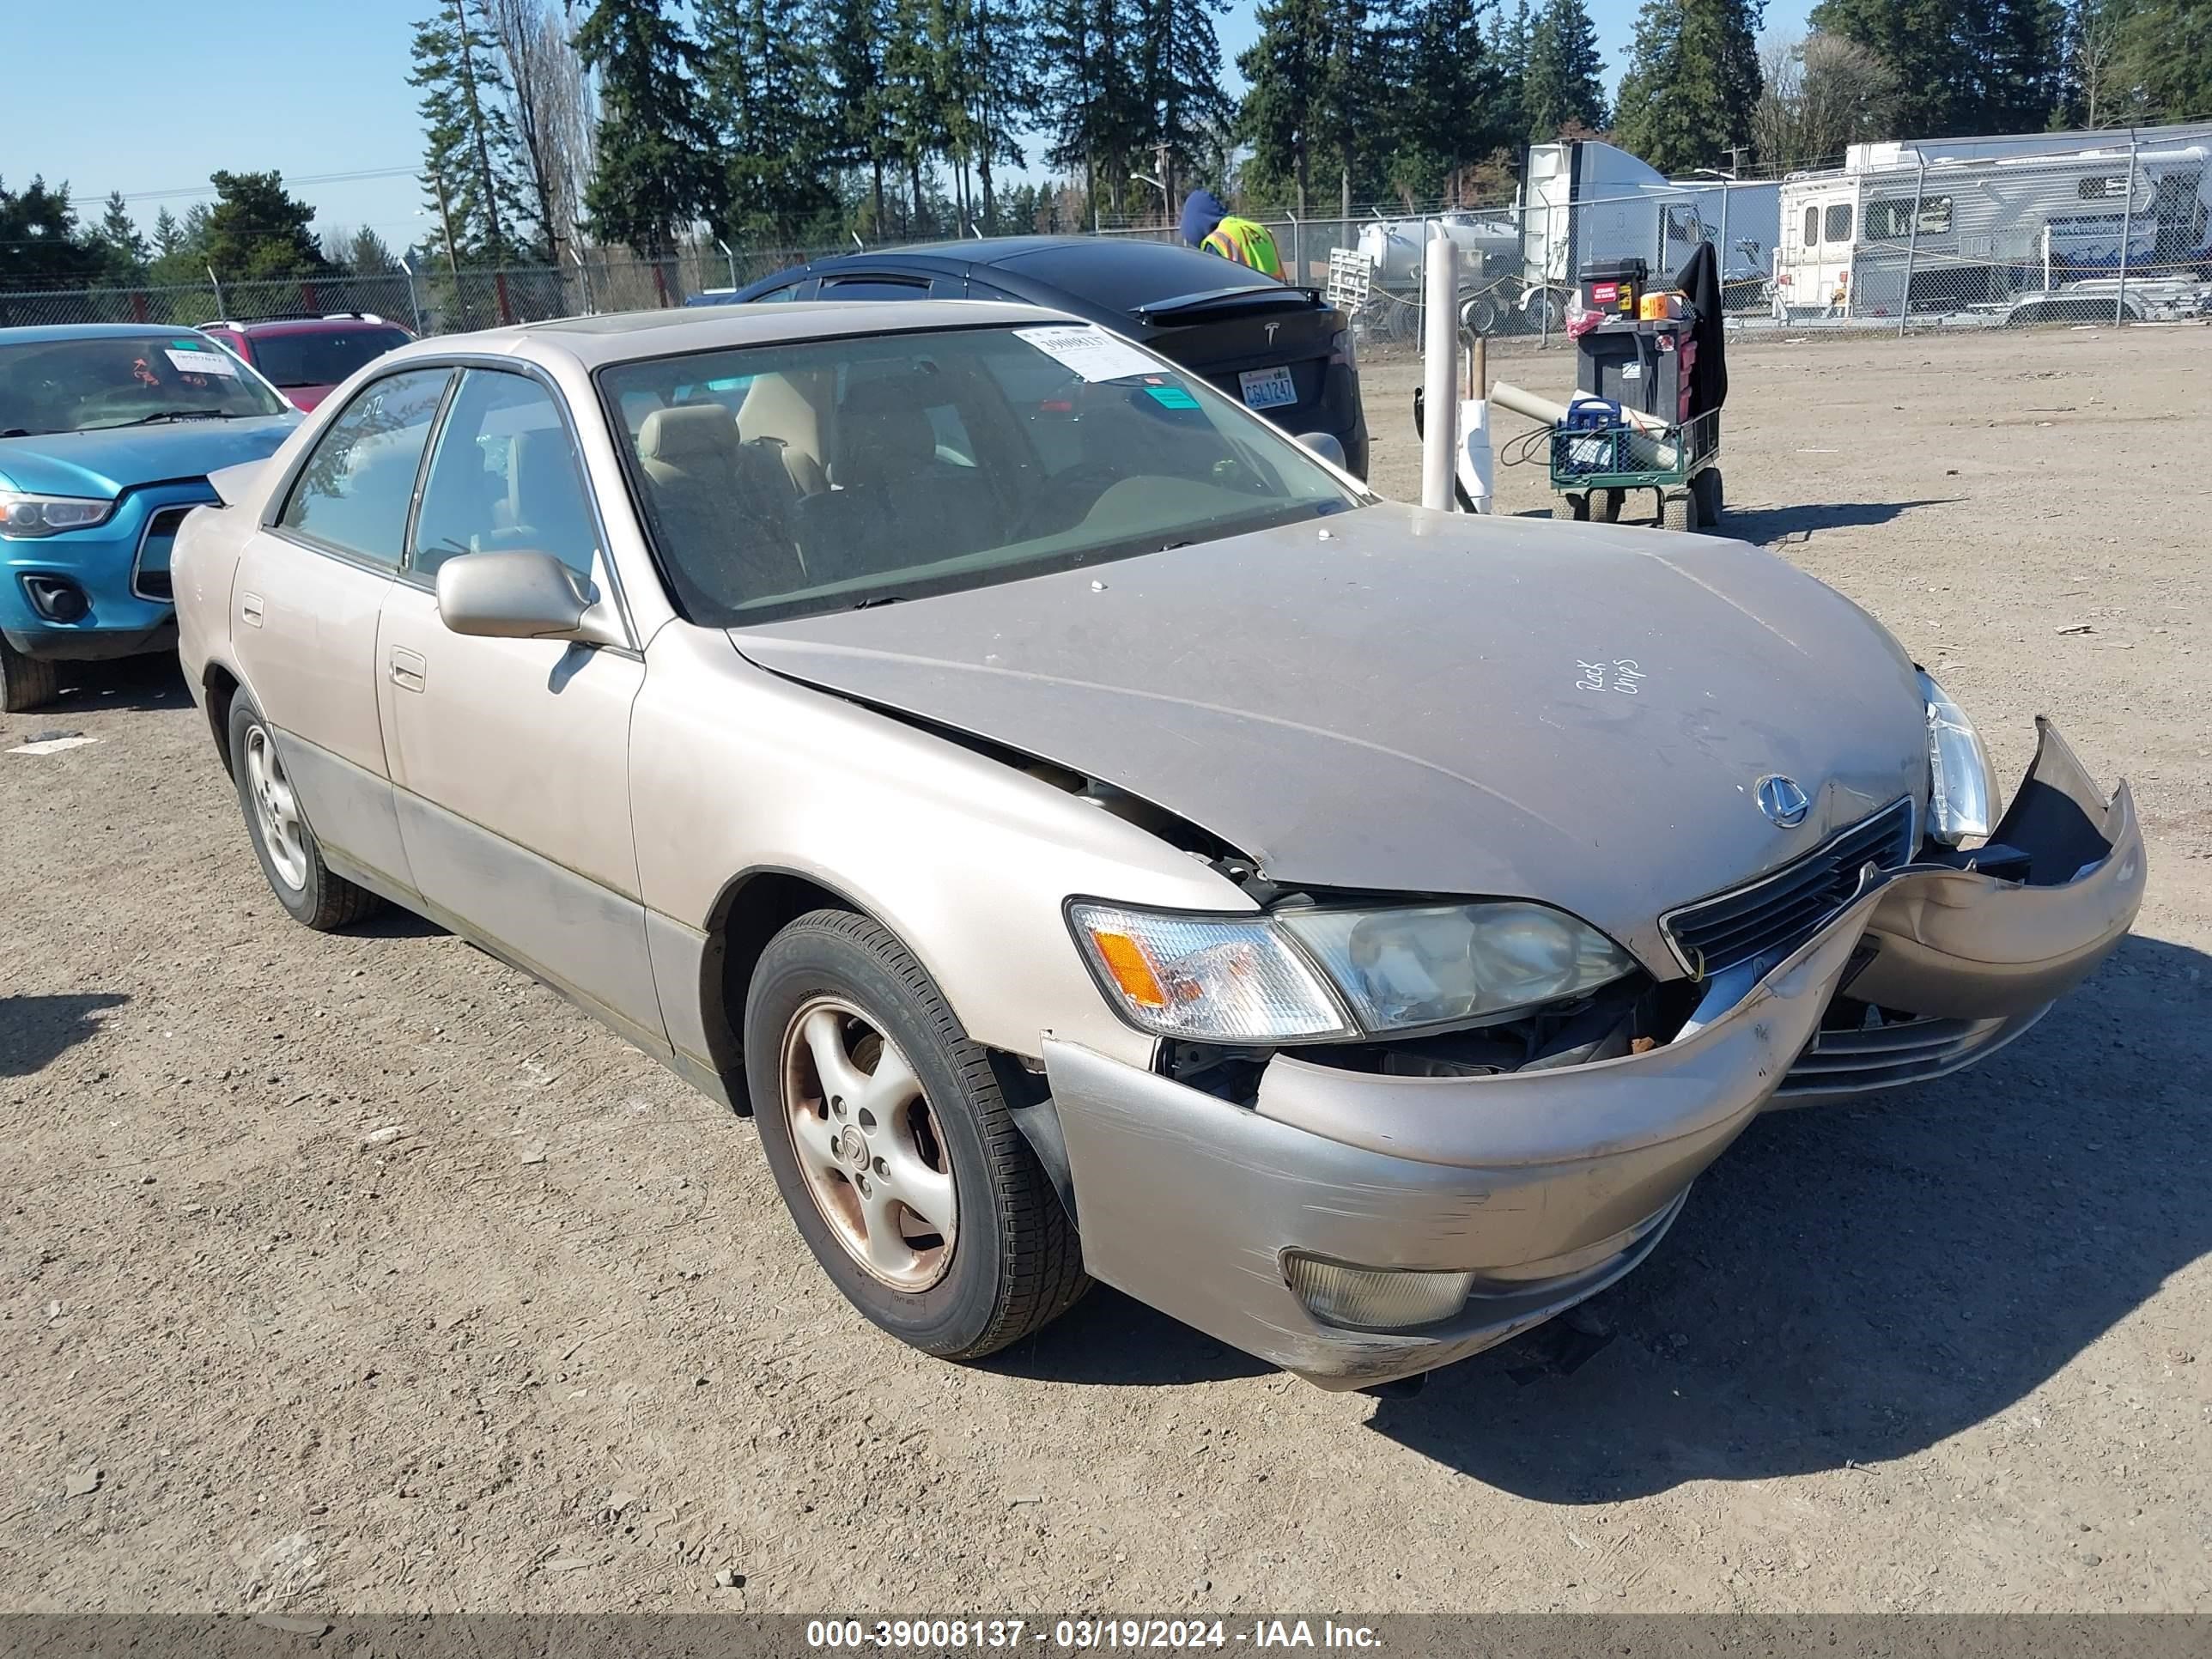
<point x="724" y="506"/>
<point x="896" y="502"/>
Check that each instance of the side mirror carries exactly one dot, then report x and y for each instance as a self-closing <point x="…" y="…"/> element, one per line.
<point x="520" y="595"/>
<point x="1323" y="444"/>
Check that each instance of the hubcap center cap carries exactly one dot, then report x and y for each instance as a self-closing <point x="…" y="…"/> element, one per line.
<point x="853" y="1148"/>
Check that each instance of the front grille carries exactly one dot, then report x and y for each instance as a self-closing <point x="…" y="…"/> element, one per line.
<point x="149" y="571"/>
<point x="1781" y="911"/>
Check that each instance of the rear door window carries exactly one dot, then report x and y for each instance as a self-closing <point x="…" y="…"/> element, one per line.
<point x="1836" y="228"/>
<point x="874" y="286"/>
<point x="1812" y="226"/>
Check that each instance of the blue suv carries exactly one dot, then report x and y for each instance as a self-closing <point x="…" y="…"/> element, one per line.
<point x="107" y="435"/>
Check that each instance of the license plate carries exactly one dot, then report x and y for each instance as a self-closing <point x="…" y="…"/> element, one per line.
<point x="1268" y="388"/>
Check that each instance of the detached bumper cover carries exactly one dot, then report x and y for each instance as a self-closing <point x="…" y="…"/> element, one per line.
<point x="1550" y="1185"/>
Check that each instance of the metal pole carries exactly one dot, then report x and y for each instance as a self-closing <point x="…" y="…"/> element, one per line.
<point x="1439" y="373"/>
<point x="217" y="283"/>
<point x="1724" y="246"/>
<point x="1912" y="249"/>
<point x="583" y="270"/>
<point x="2127" y="233"/>
<point x="733" y="258"/>
<point x="1298" y="247"/>
<point x="414" y="298"/>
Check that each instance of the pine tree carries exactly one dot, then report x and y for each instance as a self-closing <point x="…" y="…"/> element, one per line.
<point x="914" y="105"/>
<point x="1509" y="53"/>
<point x="661" y="164"/>
<point x="256" y="229"/>
<point x="1692" y="84"/>
<point x="1448" y="108"/>
<point x="764" y="91"/>
<point x="848" y="39"/>
<point x="41" y="243"/>
<point x="1560" y="86"/>
<point x="1962" y="66"/>
<point x="2164" y="53"/>
<point x="1001" y="67"/>
<point x="1181" y="55"/>
<point x="367" y="255"/>
<point x="127" y="250"/>
<point x="469" y="142"/>
<point x="1092" y="101"/>
<point x="1286" y="73"/>
<point x="168" y="234"/>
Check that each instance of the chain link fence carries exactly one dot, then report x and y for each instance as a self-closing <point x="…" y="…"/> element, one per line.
<point x="427" y="302"/>
<point x="2118" y="234"/>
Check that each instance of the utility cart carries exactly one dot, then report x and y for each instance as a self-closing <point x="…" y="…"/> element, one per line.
<point x="1598" y="457"/>
<point x="1648" y="414"/>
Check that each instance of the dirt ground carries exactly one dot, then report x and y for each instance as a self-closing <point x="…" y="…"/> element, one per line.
<point x="557" y="1346"/>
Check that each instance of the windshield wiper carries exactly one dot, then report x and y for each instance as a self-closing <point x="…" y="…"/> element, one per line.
<point x="161" y="415"/>
<point x="17" y="432"/>
<point x="880" y="599"/>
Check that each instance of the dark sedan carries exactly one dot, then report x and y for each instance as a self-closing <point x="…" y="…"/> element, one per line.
<point x="1281" y="350"/>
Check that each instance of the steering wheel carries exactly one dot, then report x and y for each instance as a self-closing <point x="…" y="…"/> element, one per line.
<point x="1059" y="490"/>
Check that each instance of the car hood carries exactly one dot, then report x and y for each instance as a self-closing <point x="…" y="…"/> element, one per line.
<point x="1426" y="702"/>
<point x="103" y="464"/>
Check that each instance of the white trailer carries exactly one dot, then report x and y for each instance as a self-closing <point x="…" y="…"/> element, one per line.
<point x="1997" y="229"/>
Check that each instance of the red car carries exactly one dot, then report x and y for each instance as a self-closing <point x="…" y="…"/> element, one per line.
<point x="306" y="357"/>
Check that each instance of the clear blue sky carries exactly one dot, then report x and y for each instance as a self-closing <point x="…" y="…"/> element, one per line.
<point x="313" y="90"/>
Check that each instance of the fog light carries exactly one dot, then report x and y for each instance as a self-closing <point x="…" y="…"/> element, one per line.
<point x="1374" y="1298"/>
<point x="57" y="598"/>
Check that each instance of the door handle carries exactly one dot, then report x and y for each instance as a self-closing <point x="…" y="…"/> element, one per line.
<point x="249" y="610"/>
<point x="408" y="670"/>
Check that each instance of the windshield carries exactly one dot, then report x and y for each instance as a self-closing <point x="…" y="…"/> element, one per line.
<point x="783" y="480"/>
<point x="81" y="385"/>
<point x="322" y="358"/>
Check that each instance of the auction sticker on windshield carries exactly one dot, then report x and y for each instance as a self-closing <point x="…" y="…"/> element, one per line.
<point x="1090" y="352"/>
<point x="201" y="362"/>
<point x="1268" y="388"/>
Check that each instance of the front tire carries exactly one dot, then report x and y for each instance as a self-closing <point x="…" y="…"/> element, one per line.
<point x="26" y="683"/>
<point x="889" y="1137"/>
<point x="291" y="858"/>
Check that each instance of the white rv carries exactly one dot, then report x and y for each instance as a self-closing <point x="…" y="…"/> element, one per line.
<point x="2012" y="228"/>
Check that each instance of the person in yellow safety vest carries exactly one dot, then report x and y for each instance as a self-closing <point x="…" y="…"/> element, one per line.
<point x="1207" y="224"/>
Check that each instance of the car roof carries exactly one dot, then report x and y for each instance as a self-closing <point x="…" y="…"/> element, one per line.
<point x="49" y="332"/>
<point x="305" y="325"/>
<point x="627" y="336"/>
<point x="1114" y="274"/>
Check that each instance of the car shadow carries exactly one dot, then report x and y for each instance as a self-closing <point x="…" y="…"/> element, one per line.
<point x="36" y="1031"/>
<point x="1852" y="1285"/>
<point x="1109" y="1338"/>
<point x="136" y="683"/>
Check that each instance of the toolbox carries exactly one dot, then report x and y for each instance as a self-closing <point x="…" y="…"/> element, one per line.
<point x="1614" y="288"/>
<point x="1643" y="366"/>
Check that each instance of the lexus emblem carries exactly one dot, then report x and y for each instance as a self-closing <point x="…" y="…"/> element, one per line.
<point x="1272" y="327"/>
<point x="1783" y="800"/>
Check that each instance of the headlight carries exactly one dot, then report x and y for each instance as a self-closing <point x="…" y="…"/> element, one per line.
<point x="1214" y="979"/>
<point x="1306" y="975"/>
<point x="24" y="515"/>
<point x="1448" y="963"/>
<point x="1962" y="789"/>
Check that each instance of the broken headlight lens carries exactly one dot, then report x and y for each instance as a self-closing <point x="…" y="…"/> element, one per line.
<point x="1962" y="787"/>
<point x="1207" y="979"/>
<point x="1446" y="964"/>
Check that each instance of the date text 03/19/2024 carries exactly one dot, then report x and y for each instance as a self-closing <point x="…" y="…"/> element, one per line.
<point x="1084" y="1635"/>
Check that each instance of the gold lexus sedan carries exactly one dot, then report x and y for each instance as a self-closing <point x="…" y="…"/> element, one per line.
<point x="1093" y="836"/>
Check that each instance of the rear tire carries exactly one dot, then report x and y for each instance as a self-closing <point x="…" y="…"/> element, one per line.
<point x="1678" y="510"/>
<point x="984" y="1255"/>
<point x="26" y="683"/>
<point x="1605" y="505"/>
<point x="1571" y="508"/>
<point x="291" y="858"/>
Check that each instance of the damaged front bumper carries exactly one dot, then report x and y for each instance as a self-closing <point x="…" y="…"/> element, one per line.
<point x="1545" y="1186"/>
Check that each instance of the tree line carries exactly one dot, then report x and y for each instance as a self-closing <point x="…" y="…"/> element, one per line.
<point x="800" y="122"/>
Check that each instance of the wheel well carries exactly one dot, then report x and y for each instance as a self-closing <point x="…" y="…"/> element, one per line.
<point x="222" y="686"/>
<point x="751" y="912"/>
